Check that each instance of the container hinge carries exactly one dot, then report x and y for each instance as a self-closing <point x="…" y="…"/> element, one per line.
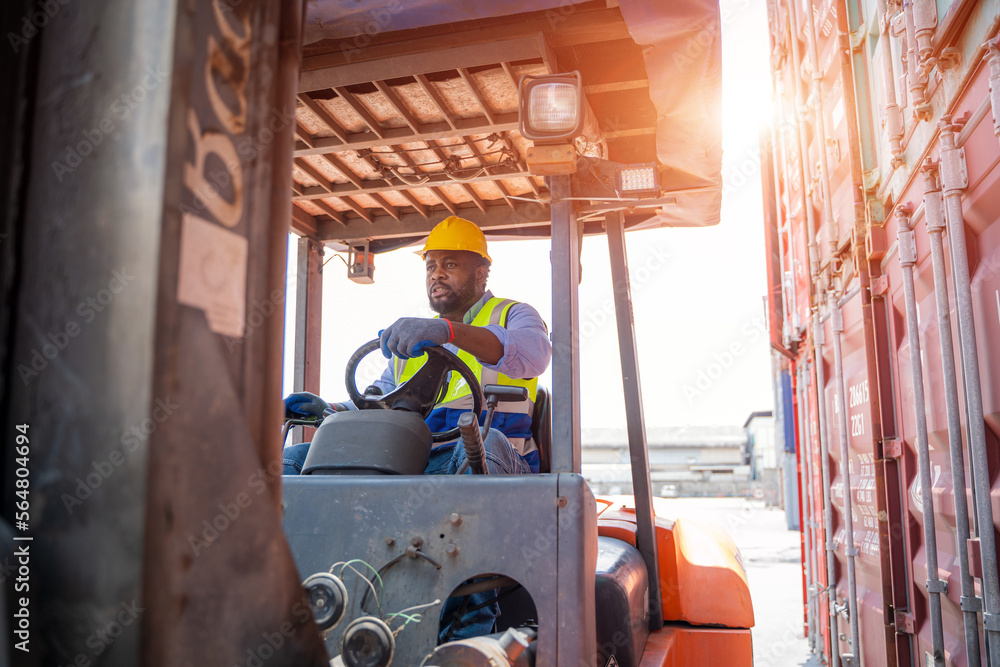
<point x="831" y="547"/>
<point x="880" y="285"/>
<point x="872" y="179"/>
<point x="892" y="448"/>
<point x="905" y="622"/>
<point x="972" y="603"/>
<point x="949" y="58"/>
<point x="858" y="37"/>
<point x="851" y="552"/>
<point x="991" y="622"/>
<point x="848" y="660"/>
<point x="937" y="586"/>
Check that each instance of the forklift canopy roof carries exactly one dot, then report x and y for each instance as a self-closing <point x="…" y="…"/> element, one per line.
<point x="408" y="111"/>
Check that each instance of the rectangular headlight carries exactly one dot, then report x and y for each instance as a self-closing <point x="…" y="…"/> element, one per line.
<point x="551" y="107"/>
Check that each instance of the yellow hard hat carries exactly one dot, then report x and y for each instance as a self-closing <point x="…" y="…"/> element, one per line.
<point x="455" y="233"/>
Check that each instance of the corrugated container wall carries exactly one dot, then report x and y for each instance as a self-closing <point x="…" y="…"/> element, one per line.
<point x="882" y="213"/>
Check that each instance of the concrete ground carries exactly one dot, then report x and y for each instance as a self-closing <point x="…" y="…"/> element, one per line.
<point x="771" y="554"/>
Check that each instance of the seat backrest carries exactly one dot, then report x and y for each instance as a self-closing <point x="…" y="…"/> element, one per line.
<point x="541" y="428"/>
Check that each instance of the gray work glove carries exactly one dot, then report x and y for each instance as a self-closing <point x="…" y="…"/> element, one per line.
<point x="408" y="336"/>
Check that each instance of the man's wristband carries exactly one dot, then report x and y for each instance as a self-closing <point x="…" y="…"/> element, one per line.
<point x="451" y="331"/>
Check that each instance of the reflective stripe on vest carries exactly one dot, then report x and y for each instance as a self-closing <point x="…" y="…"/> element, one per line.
<point x="458" y="398"/>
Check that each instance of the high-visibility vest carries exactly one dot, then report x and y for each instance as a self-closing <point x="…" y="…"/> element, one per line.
<point x="513" y="419"/>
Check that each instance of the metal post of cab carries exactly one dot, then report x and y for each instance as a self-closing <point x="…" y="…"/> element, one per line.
<point x="638" y="452"/>
<point x="566" y="453"/>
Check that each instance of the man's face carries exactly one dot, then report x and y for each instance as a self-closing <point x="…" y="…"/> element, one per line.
<point x="456" y="279"/>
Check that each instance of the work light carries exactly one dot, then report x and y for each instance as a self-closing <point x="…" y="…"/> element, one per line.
<point x="639" y="179"/>
<point x="551" y="107"/>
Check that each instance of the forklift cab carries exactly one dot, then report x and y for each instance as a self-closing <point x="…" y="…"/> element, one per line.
<point x="540" y="124"/>
<point x="547" y="119"/>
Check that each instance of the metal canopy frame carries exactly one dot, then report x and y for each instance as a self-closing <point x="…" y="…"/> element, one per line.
<point x="354" y="157"/>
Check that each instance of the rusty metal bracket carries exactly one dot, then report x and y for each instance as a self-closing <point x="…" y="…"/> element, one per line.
<point x="858" y="37"/>
<point x="876" y="245"/>
<point x="833" y="145"/>
<point x="949" y="58"/>
<point x="892" y="448"/>
<point x="905" y="622"/>
<point x="880" y="286"/>
<point x="871" y="179"/>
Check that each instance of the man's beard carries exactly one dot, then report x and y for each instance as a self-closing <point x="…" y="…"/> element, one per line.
<point x="454" y="300"/>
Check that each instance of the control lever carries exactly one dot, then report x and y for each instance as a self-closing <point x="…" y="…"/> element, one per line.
<point x="498" y="393"/>
<point x="472" y="437"/>
<point x="472" y="440"/>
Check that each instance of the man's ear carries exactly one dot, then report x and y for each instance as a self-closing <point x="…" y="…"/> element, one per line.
<point x="482" y="274"/>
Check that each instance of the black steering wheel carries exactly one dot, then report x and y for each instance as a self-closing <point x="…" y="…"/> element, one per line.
<point x="421" y="392"/>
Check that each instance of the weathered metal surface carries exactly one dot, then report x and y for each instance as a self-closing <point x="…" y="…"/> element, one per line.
<point x="427" y="535"/>
<point x="81" y="329"/>
<point x="882" y="90"/>
<point x="214" y="471"/>
<point x="148" y="369"/>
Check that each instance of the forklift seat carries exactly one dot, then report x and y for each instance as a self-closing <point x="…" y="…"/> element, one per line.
<point x="541" y="428"/>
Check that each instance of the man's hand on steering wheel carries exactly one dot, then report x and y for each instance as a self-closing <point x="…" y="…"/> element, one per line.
<point x="407" y="337"/>
<point x="421" y="391"/>
<point x="303" y="405"/>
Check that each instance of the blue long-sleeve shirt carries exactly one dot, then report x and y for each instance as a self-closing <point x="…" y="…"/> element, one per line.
<point x="526" y="347"/>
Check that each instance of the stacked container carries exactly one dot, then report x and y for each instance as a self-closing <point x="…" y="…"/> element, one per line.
<point x="882" y="214"/>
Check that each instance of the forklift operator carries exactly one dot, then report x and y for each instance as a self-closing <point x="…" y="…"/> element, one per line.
<point x="502" y="341"/>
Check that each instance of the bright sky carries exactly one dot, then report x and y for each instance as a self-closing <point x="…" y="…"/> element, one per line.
<point x="697" y="293"/>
